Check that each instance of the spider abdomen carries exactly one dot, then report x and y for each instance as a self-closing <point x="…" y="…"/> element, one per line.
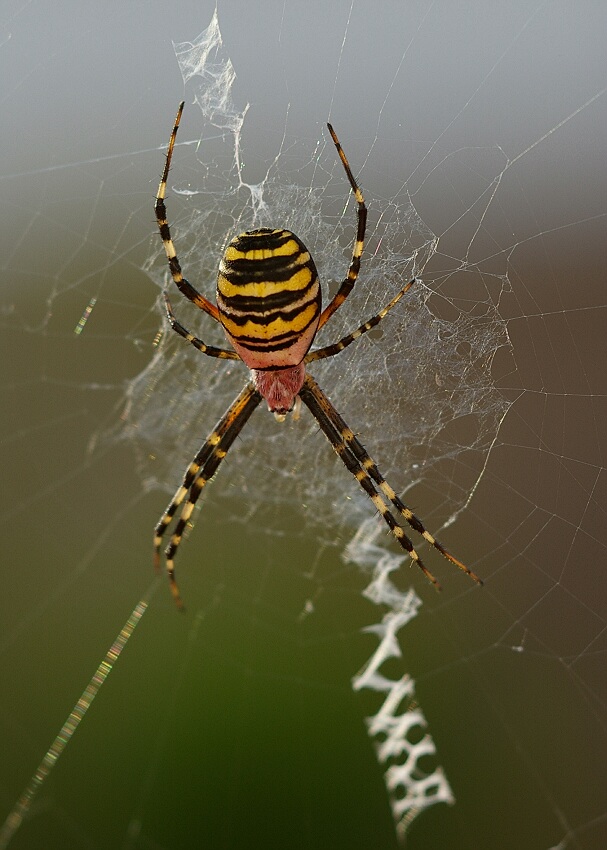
<point x="268" y="297"/>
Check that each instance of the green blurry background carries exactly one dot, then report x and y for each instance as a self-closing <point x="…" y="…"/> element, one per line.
<point x="235" y="725"/>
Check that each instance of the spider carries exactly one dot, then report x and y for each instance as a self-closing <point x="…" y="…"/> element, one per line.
<point x="269" y="304"/>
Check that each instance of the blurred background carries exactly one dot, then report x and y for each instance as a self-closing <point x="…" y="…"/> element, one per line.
<point x="236" y="724"/>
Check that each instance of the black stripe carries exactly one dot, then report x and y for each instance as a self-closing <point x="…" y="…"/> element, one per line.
<point x="263" y="319"/>
<point x="267" y="347"/>
<point x="277" y="343"/>
<point x="272" y="269"/>
<point x="264" y="303"/>
<point x="253" y="240"/>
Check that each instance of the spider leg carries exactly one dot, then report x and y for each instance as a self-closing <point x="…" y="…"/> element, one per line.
<point x="347" y="284"/>
<point x="182" y="284"/>
<point x="197" y="343"/>
<point x="311" y="396"/>
<point x="344" y="342"/>
<point x="367" y="466"/>
<point x="199" y="472"/>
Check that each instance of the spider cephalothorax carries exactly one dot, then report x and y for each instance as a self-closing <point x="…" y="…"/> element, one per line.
<point x="269" y="303"/>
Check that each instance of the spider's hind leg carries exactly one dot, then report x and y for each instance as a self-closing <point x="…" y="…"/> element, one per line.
<point x="363" y="467"/>
<point x="198" y="474"/>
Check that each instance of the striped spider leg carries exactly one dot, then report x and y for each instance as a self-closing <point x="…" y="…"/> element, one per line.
<point x="357" y="460"/>
<point x="200" y="471"/>
<point x="181" y="283"/>
<point x="269" y="304"/>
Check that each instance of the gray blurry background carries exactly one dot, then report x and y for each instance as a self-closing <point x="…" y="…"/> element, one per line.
<point x="236" y="726"/>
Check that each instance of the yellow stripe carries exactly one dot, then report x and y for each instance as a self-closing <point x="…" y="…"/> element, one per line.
<point x="260" y="289"/>
<point x="289" y="248"/>
<point x="273" y="329"/>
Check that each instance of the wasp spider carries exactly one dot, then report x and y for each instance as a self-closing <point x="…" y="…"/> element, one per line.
<point x="269" y="303"/>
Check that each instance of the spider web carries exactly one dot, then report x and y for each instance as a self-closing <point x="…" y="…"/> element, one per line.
<point x="481" y="397"/>
<point x="431" y="374"/>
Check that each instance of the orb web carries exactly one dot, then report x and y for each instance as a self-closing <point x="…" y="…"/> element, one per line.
<point x="484" y="123"/>
<point x="418" y="390"/>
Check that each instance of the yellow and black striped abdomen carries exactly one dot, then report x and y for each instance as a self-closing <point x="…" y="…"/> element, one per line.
<point x="268" y="296"/>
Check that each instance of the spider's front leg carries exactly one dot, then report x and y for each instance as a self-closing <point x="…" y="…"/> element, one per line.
<point x="181" y="283"/>
<point x="348" y="283"/>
